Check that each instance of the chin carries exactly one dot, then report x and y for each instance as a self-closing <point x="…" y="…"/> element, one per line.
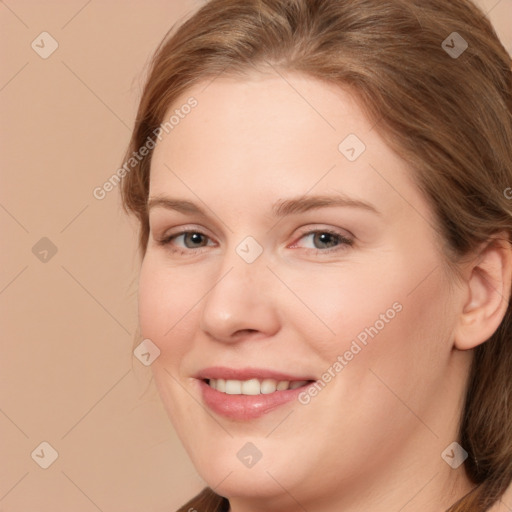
<point x="242" y="482"/>
<point x="231" y="472"/>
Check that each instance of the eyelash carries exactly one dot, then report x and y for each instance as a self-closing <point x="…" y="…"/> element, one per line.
<point x="343" y="242"/>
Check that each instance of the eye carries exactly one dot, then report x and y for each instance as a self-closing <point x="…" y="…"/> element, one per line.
<point x="192" y="240"/>
<point x="326" y="240"/>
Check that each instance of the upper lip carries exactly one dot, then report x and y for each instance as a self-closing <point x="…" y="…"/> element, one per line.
<point x="222" y="372"/>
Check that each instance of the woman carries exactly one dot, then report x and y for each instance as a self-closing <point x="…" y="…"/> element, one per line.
<point x="326" y="259"/>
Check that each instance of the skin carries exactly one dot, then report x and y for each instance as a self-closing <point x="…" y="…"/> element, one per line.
<point x="372" y="438"/>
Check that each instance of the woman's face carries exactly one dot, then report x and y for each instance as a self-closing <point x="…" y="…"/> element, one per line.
<point x="312" y="257"/>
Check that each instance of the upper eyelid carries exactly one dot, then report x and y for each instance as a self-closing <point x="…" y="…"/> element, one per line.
<point x="305" y="232"/>
<point x="184" y="230"/>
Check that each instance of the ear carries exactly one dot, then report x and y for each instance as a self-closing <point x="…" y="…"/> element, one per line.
<point x="488" y="293"/>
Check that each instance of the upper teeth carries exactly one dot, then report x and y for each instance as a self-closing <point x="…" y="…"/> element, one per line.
<point x="254" y="386"/>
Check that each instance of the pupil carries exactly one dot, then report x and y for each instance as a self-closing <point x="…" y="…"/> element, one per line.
<point x="195" y="238"/>
<point x="324" y="238"/>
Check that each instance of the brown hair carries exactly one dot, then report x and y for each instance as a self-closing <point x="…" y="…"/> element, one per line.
<point x="449" y="116"/>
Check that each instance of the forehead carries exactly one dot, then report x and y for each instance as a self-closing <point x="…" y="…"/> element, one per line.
<point x="266" y="114"/>
<point x="266" y="134"/>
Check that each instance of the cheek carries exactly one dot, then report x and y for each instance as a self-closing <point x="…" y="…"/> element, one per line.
<point x="411" y="353"/>
<point x="382" y="315"/>
<point x="153" y="294"/>
<point x="346" y="304"/>
<point x="166" y="301"/>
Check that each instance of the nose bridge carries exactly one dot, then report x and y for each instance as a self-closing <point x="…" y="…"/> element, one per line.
<point x="238" y="281"/>
<point x="239" y="298"/>
<point x="244" y="266"/>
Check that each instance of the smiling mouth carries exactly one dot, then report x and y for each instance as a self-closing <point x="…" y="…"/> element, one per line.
<point x="253" y="387"/>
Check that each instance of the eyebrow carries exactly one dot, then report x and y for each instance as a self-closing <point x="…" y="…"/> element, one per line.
<point x="281" y="208"/>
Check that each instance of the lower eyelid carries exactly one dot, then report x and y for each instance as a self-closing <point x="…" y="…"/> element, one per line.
<point x="343" y="240"/>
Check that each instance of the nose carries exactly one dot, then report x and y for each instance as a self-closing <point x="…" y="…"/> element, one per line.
<point x="242" y="302"/>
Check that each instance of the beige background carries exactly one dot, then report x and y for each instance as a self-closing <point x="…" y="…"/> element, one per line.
<point x="67" y="375"/>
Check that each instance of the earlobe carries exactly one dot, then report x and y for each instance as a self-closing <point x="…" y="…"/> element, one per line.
<point x="488" y="294"/>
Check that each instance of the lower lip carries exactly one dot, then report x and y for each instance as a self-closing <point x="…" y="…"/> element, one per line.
<point x="246" y="407"/>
